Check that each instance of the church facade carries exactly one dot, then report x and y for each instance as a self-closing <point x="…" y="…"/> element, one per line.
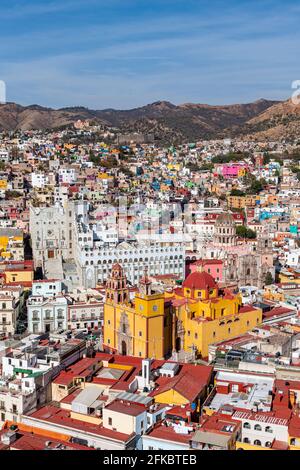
<point x="244" y="263"/>
<point x="188" y="320"/>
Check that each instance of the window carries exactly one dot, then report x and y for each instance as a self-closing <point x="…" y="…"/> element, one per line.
<point x="246" y="426"/>
<point x="60" y="313"/>
<point x="140" y="333"/>
<point x="48" y="313"/>
<point x="110" y="421"/>
<point x="268" y="429"/>
<point x="257" y="442"/>
<point x="257" y="427"/>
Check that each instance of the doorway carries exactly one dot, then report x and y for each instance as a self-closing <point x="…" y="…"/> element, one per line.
<point x="124" y="348"/>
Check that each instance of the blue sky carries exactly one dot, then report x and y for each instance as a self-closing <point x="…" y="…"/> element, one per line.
<point x="126" y="53"/>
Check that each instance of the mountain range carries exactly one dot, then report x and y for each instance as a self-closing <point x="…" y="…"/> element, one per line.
<point x="260" y="120"/>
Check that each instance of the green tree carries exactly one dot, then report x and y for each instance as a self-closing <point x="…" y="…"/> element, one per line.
<point x="237" y="192"/>
<point x="266" y="159"/>
<point x="245" y="232"/>
<point x="269" y="279"/>
<point x="241" y="231"/>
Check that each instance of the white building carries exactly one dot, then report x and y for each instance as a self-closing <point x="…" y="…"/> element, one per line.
<point x="292" y="258"/>
<point x="4" y="155"/>
<point x="46" y="288"/>
<point x="10" y="304"/>
<point x="260" y="429"/>
<point x="18" y="392"/>
<point x="39" y="180"/>
<point x="67" y="175"/>
<point x="52" y="230"/>
<point x="95" y="257"/>
<point x="46" y="314"/>
<point x="83" y="315"/>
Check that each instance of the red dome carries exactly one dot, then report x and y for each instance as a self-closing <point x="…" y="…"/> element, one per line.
<point x="200" y="281"/>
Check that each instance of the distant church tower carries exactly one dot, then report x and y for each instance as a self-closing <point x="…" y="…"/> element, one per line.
<point x="116" y="287"/>
<point x="145" y="285"/>
<point x="225" y="231"/>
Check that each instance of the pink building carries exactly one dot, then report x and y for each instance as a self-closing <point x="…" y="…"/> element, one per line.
<point x="233" y="170"/>
<point x="214" y="267"/>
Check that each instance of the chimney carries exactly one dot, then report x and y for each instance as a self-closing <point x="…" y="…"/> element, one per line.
<point x="188" y="414"/>
<point x="146" y="369"/>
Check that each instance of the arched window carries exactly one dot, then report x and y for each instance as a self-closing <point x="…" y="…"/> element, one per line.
<point x="269" y="429"/>
<point x="268" y="444"/>
<point x="257" y="427"/>
<point x="246" y="440"/>
<point x="247" y="426"/>
<point x="257" y="442"/>
<point x="60" y="313"/>
<point x="35" y="315"/>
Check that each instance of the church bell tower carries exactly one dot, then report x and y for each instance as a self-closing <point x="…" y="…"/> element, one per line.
<point x="116" y="287"/>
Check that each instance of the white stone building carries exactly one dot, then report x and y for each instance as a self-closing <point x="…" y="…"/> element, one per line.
<point x="95" y="254"/>
<point x="260" y="429"/>
<point x="67" y="175"/>
<point x="87" y="314"/>
<point x="39" y="180"/>
<point x="9" y="310"/>
<point x="47" y="314"/>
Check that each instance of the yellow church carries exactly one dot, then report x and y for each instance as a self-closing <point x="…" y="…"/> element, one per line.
<point x="155" y="325"/>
